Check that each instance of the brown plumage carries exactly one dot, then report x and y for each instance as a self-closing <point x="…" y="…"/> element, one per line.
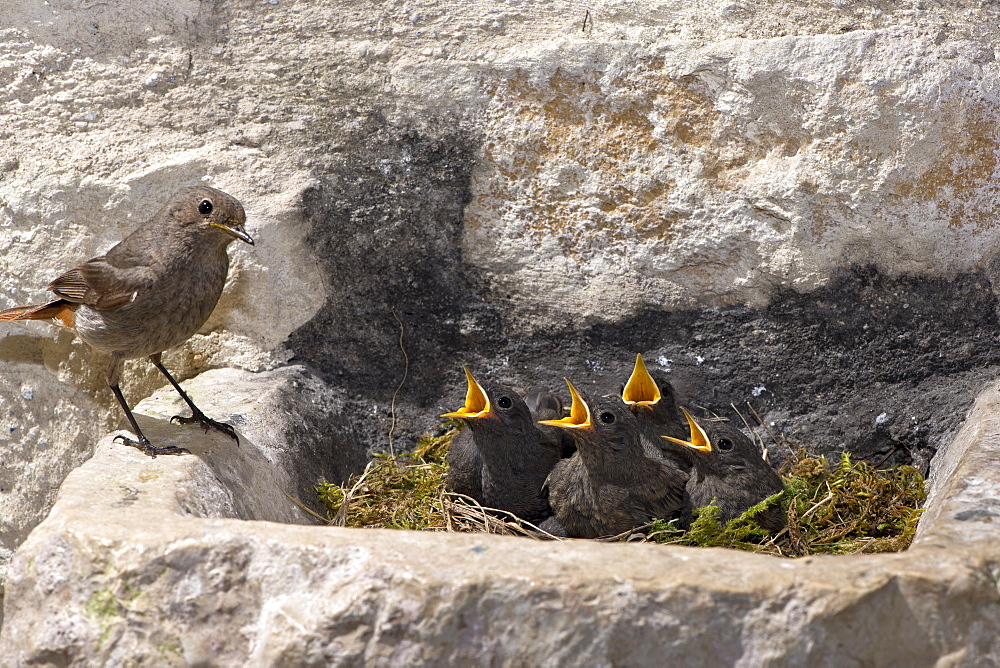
<point x="151" y="292"/>
<point x="500" y="459"/>
<point x="616" y="481"/>
<point x="546" y="406"/>
<point x="729" y="469"/>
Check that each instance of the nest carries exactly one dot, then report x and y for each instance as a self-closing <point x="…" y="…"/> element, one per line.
<point x="840" y="508"/>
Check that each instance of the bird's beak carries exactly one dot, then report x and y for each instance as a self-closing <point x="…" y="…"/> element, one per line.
<point x="235" y="231"/>
<point x="699" y="439"/>
<point x="579" y="413"/>
<point x="640" y="389"/>
<point x="477" y="404"/>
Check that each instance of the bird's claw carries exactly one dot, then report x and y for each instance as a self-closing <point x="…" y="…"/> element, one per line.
<point x="149" y="449"/>
<point x="208" y="423"/>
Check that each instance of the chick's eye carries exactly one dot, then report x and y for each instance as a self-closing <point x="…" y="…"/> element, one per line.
<point x="607" y="417"/>
<point x="205" y="207"/>
<point x="725" y="444"/>
<point x="504" y="402"/>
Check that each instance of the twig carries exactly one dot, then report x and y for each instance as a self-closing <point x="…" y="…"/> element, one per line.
<point x="624" y="534"/>
<point x="406" y="371"/>
<point x="769" y="432"/>
<point x="884" y="459"/>
<point x="448" y="526"/>
<point x="341" y="517"/>
<point x="586" y="16"/>
<point x="715" y="416"/>
<point x="303" y="506"/>
<point x="489" y="520"/>
<point x="763" y="448"/>
<point x="828" y="497"/>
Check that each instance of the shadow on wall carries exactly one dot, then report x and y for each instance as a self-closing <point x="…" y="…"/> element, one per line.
<point x="387" y="224"/>
<point x="886" y="367"/>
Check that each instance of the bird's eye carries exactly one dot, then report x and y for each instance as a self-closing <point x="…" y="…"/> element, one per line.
<point x="607" y="417"/>
<point x="504" y="402"/>
<point x="725" y="444"/>
<point x="205" y="207"/>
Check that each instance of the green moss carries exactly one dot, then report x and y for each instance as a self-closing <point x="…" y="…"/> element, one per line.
<point x="706" y="530"/>
<point x="850" y="507"/>
<point x="103" y="608"/>
<point x="839" y="508"/>
<point x="401" y="492"/>
<point x="109" y="603"/>
<point x="167" y="648"/>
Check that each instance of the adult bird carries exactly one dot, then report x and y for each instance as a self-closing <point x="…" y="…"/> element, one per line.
<point x="151" y="292"/>
<point x="501" y="459"/>
<point x="616" y="480"/>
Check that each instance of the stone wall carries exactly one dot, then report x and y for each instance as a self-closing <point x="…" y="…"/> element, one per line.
<point x="170" y="562"/>
<point x="789" y="204"/>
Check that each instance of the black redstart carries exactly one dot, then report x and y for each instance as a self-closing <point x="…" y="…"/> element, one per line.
<point x="151" y="292"/>
<point x="729" y="469"/>
<point x="616" y="480"/>
<point x="653" y="402"/>
<point x="546" y="406"/>
<point x="503" y="461"/>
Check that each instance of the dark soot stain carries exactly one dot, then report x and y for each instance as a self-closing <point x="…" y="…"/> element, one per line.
<point x="884" y="367"/>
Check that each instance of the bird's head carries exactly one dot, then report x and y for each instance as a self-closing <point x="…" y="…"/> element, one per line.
<point x="492" y="406"/>
<point x="600" y="423"/>
<point x="719" y="445"/>
<point x="211" y="211"/>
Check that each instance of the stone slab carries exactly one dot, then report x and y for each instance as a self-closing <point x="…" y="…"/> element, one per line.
<point x="142" y="561"/>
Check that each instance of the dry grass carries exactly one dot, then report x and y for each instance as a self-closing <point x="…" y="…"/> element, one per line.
<point x="840" y="508"/>
<point x="407" y="492"/>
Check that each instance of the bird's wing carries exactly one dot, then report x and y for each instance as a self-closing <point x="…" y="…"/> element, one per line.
<point x="465" y="465"/>
<point x="564" y="469"/>
<point x="662" y="494"/>
<point x="102" y="285"/>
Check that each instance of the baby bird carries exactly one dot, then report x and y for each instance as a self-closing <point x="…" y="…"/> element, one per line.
<point x="546" y="406"/>
<point x="616" y="480"/>
<point x="729" y="468"/>
<point x="501" y="459"/>
<point x="653" y="402"/>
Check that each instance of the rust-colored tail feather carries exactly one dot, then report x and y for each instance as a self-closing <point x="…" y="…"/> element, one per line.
<point x="59" y="309"/>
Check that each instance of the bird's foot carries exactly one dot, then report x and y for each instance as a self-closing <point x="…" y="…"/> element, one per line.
<point x="207" y="423"/>
<point x="148" y="448"/>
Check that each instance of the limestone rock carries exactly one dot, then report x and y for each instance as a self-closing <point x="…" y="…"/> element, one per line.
<point x="789" y="204"/>
<point x="142" y="560"/>
<point x="45" y="428"/>
<point x="619" y="178"/>
<point x="294" y="432"/>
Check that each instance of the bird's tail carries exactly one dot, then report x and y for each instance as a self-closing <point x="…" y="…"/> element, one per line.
<point x="58" y="309"/>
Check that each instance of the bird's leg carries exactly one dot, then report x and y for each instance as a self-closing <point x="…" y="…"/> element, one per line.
<point x="143" y="442"/>
<point x="196" y="414"/>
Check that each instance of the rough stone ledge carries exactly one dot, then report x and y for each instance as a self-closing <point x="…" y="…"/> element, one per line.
<point x="139" y="562"/>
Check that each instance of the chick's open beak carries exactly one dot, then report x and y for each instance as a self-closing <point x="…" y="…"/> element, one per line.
<point x="477" y="404"/>
<point x="579" y="412"/>
<point x="699" y="439"/>
<point x="640" y="389"/>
